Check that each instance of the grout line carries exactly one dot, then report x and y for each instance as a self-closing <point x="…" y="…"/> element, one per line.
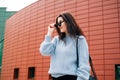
<point x="103" y="39"/>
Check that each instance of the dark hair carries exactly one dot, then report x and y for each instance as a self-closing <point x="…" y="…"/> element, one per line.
<point x="73" y="28"/>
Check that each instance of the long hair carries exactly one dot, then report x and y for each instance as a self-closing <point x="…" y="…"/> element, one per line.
<point x="73" y="28"/>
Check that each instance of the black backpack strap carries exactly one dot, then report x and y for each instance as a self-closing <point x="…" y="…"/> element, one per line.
<point x="77" y="51"/>
<point x="92" y="68"/>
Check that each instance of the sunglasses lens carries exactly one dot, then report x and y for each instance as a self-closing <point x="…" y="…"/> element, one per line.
<point x="59" y="24"/>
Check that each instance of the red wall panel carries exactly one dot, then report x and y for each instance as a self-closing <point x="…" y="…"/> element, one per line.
<point x="99" y="19"/>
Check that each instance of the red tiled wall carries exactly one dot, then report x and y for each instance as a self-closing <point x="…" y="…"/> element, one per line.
<point x="99" y="19"/>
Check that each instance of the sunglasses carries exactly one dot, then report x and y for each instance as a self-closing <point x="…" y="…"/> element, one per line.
<point x="59" y="24"/>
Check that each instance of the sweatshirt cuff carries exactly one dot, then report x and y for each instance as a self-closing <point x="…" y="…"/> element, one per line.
<point x="48" y="38"/>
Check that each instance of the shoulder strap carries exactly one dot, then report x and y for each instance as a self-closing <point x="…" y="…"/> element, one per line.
<point x="90" y="60"/>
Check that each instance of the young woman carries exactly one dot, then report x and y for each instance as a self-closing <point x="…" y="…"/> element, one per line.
<point x="62" y="49"/>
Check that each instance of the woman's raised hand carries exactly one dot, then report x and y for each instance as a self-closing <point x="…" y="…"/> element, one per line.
<point x="51" y="29"/>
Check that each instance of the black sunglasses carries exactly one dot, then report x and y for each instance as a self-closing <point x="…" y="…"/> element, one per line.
<point x="59" y="24"/>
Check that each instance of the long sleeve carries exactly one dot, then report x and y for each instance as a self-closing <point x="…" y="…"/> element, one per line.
<point x="83" y="70"/>
<point x="47" y="47"/>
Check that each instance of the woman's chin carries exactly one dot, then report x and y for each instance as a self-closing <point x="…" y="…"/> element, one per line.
<point x="62" y="31"/>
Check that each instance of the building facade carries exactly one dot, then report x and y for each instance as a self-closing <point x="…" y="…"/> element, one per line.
<point x="25" y="30"/>
<point x="4" y="15"/>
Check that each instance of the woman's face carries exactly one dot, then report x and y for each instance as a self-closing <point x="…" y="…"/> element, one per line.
<point x="62" y="25"/>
